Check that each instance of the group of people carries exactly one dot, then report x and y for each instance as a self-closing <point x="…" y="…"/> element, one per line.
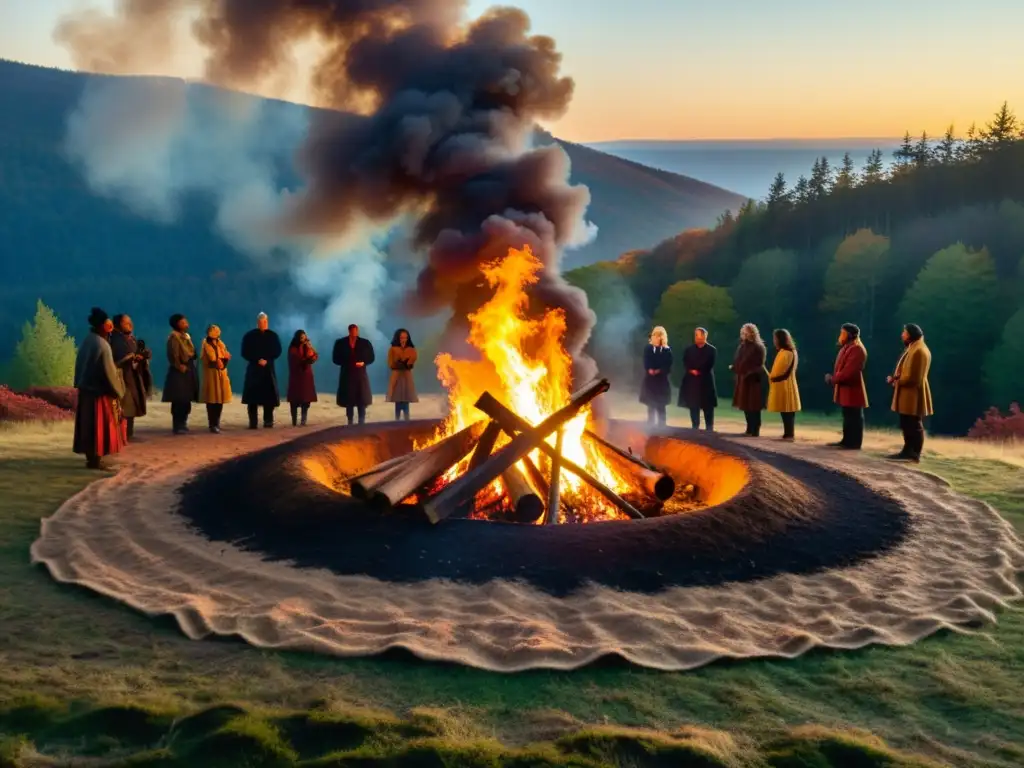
<point x="114" y="382"/>
<point x="912" y="398"/>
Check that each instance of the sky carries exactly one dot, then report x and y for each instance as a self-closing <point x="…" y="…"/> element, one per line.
<point x="738" y="69"/>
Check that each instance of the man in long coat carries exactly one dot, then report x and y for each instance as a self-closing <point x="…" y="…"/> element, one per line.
<point x="353" y="354"/>
<point x="181" y="384"/>
<point x="99" y="430"/>
<point x="698" y="392"/>
<point x="848" y="389"/>
<point x="260" y="348"/>
<point x="912" y="396"/>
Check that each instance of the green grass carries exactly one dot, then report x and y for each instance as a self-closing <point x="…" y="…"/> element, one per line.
<point x="82" y="677"/>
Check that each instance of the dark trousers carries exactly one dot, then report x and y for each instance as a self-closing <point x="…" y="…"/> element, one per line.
<point x="401" y="410"/>
<point x="295" y="408"/>
<point x="130" y="420"/>
<point x="853" y="427"/>
<point x="213" y="414"/>
<point x="254" y="411"/>
<point x="179" y="415"/>
<point x="351" y="409"/>
<point x="753" y="423"/>
<point x="788" y="425"/>
<point x="912" y="428"/>
<point x="709" y="418"/>
<point x="656" y="415"/>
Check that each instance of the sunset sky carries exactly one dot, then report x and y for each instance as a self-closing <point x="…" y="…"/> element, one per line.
<point x="678" y="69"/>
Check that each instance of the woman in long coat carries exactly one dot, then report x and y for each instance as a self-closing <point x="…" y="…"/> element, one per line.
<point x="181" y="387"/>
<point x="132" y="358"/>
<point x="401" y="386"/>
<point x="783" y="391"/>
<point x="99" y="429"/>
<point x="698" y="392"/>
<point x="216" y="383"/>
<point x="655" y="389"/>
<point x="751" y="376"/>
<point x="353" y="354"/>
<point x="301" y="385"/>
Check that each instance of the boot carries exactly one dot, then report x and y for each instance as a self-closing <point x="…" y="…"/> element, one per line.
<point x="305" y="413"/>
<point x="131" y="427"/>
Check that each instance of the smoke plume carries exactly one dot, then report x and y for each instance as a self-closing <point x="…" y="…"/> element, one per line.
<point x="446" y="112"/>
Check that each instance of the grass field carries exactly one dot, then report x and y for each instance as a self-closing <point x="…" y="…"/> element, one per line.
<point x="84" y="681"/>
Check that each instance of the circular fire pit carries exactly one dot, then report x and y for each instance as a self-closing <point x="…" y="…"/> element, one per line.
<point x="758" y="517"/>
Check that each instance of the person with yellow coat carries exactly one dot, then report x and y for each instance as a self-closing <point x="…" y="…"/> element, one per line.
<point x="783" y="392"/>
<point x="912" y="395"/>
<point x="216" y="384"/>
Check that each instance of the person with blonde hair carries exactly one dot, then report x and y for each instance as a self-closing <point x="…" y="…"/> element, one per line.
<point x="655" y="389"/>
<point x="750" y="375"/>
<point x="783" y="392"/>
<point x="216" y="384"/>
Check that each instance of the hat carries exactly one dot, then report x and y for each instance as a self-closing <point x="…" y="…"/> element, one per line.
<point x="851" y="330"/>
<point x="914" y="331"/>
<point x="97" y="317"/>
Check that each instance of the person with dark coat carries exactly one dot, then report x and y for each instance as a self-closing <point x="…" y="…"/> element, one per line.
<point x="912" y="394"/>
<point x="181" y="386"/>
<point x="132" y="358"/>
<point x="751" y="377"/>
<point x="402" y="358"/>
<point x="99" y="428"/>
<point x="848" y="389"/>
<point x="656" y="389"/>
<point x="260" y="348"/>
<point x="353" y="354"/>
<point x="698" y="392"/>
<point x="301" y="385"/>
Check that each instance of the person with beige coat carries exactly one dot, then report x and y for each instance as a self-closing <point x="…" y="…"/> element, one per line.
<point x="912" y="395"/>
<point x="401" y="385"/>
<point x="216" y="383"/>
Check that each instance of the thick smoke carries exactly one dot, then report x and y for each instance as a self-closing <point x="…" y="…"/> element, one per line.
<point x="447" y="110"/>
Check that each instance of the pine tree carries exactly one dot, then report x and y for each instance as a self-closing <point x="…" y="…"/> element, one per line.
<point x="922" y="151"/>
<point x="1002" y="130"/>
<point x="45" y="355"/>
<point x="946" y="152"/>
<point x="778" y="194"/>
<point x="847" y="176"/>
<point x="905" y="154"/>
<point x="873" y="169"/>
<point x="802" y="191"/>
<point x="970" y="148"/>
<point x="820" y="183"/>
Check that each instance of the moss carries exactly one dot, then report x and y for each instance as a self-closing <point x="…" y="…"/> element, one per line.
<point x="243" y="740"/>
<point x="110" y="727"/>
<point x="617" y="746"/>
<point x="814" y="747"/>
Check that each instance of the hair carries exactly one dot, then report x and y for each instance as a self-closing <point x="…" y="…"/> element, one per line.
<point x="116" y="319"/>
<point x="262" y="316"/>
<point x="749" y="332"/>
<point x="97" y="317"/>
<point x="784" y="339"/>
<point x="914" y="331"/>
<point x="175" y="319"/>
<point x="396" y="341"/>
<point x="211" y="328"/>
<point x="851" y="330"/>
<point x="352" y="325"/>
<point x="702" y="329"/>
<point x="659" y="330"/>
<point x="295" y="338"/>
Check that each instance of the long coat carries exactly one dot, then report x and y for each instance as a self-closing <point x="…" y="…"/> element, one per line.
<point x="848" y="388"/>
<point x="656" y="390"/>
<point x="401" y="386"/>
<point x="301" y="385"/>
<point x="99" y="430"/>
<point x="699" y="391"/>
<point x="181" y="386"/>
<point x="913" y="395"/>
<point x="353" y="381"/>
<point x="261" y="380"/>
<point x="133" y="371"/>
<point x="751" y="376"/>
<point x="783" y="391"/>
<point x="216" y="382"/>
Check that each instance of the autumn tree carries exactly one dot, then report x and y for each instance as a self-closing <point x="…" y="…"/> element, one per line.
<point x="1002" y="371"/>
<point x="693" y="303"/>
<point x="852" y="280"/>
<point x="763" y="292"/>
<point x="45" y="355"/>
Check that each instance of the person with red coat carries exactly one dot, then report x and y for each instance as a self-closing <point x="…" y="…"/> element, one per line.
<point x="848" y="389"/>
<point x="301" y="386"/>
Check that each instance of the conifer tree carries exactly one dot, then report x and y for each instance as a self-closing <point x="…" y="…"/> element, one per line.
<point x="778" y="194"/>
<point x="874" y="169"/>
<point x="802" y="191"/>
<point x="45" y="355"/>
<point x="847" y="176"/>
<point x="946" y="152"/>
<point x="1002" y="130"/>
<point x="923" y="151"/>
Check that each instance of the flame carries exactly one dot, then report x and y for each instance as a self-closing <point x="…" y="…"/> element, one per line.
<point x="523" y="364"/>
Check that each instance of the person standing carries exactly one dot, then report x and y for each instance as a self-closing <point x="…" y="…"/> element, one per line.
<point x="848" y="389"/>
<point x="656" y="389"/>
<point x="216" y="383"/>
<point x="181" y="386"/>
<point x="353" y="354"/>
<point x="260" y="348"/>
<point x="783" y="391"/>
<point x="698" y="392"/>
<point x="912" y="395"/>
<point x="750" y="374"/>
<point x="132" y="358"/>
<point x="99" y="429"/>
<point x="401" y="386"/>
<point x="301" y="385"/>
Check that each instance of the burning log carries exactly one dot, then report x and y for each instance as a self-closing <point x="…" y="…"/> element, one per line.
<point x="465" y="488"/>
<point x="485" y="445"/>
<point x="526" y="504"/>
<point x="554" y="488"/>
<point x="422" y="467"/>
<point x="362" y="485"/>
<point x="658" y="484"/>
<point x="536" y="477"/>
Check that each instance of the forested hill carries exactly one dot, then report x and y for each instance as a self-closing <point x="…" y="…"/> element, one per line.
<point x="71" y="248"/>
<point x="938" y="240"/>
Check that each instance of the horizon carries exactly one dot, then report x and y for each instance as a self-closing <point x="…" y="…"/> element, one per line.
<point x="713" y="74"/>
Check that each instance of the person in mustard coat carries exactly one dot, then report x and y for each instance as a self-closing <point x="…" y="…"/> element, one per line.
<point x="912" y="395"/>
<point x="783" y="392"/>
<point x="216" y="384"/>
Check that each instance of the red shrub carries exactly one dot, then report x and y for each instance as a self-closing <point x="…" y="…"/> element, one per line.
<point x="996" y="427"/>
<point x="62" y="397"/>
<point x="15" y="407"/>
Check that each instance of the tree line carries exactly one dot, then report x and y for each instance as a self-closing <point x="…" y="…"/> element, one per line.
<point x="936" y="239"/>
